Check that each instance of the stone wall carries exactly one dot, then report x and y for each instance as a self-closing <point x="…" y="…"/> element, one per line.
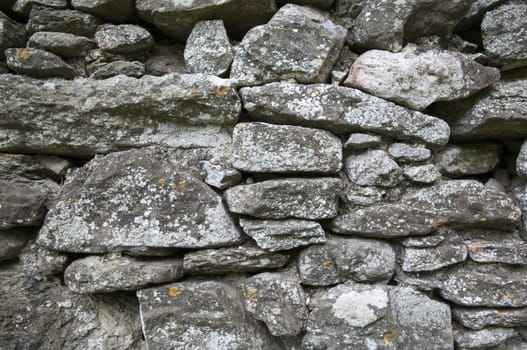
<point x="245" y="174"/>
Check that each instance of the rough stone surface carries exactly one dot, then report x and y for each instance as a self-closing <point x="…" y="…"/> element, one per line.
<point x="265" y="53"/>
<point x="521" y="162"/>
<point x="42" y="19"/>
<point x="404" y="153"/>
<point x="154" y="204"/>
<point x="519" y="192"/>
<point x="361" y="141"/>
<point x="12" y="241"/>
<point x="208" y="49"/>
<point x="63" y="44"/>
<point x="132" y="69"/>
<point x="446" y="253"/>
<point x="482" y="339"/>
<point x="480" y="318"/>
<point x="269" y="148"/>
<point x="475" y="14"/>
<point x="111" y="10"/>
<point x="40" y="261"/>
<point x="467" y="159"/>
<point x="507" y="250"/>
<point x="38" y="63"/>
<point x="220" y="176"/>
<point x="310" y="198"/>
<point x="341" y="110"/>
<point x="322" y="4"/>
<point x="37" y="167"/>
<point x="423" y="174"/>
<point x="166" y="57"/>
<point x="24" y="7"/>
<point x="123" y="38"/>
<point x="417" y="78"/>
<point x="12" y="34"/>
<point x="373" y="168"/>
<point x="167" y="111"/>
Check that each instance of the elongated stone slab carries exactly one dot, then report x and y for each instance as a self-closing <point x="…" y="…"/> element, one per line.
<point x="479" y="318"/>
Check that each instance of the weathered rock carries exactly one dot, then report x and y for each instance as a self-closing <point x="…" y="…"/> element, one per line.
<point x="479" y="318"/>
<point x="423" y="242"/>
<point x="220" y="176"/>
<point x="450" y="251"/>
<point x="278" y="300"/>
<point x="199" y="314"/>
<point x="132" y="69"/>
<point x="311" y="198"/>
<point x="12" y="34"/>
<point x="166" y="110"/>
<point x="424" y="174"/>
<point x="177" y="19"/>
<point x="208" y="49"/>
<point x="40" y="261"/>
<point x="12" y="241"/>
<point x="468" y="339"/>
<point x="362" y="141"/>
<point x="38" y="63"/>
<point x="276" y="235"/>
<point x="467" y="159"/>
<point x="153" y="203"/>
<point x="24" y="7"/>
<point x="36" y="167"/>
<point x="166" y="57"/>
<point x="372" y="168"/>
<point x="227" y="260"/>
<point x="111" y="10"/>
<point x="516" y="343"/>
<point x="43" y="19"/>
<point x="404" y="153"/>
<point x="354" y="195"/>
<point x="322" y="4"/>
<point x="519" y="192"/>
<point x="266" y="54"/>
<point x="417" y="78"/>
<point x="123" y="38"/>
<point x="62" y="44"/>
<point x="346" y="259"/>
<point x="269" y="148"/>
<point x="475" y="14"/>
<point x="508" y="251"/>
<point x="521" y="162"/>
<point x="504" y="36"/>
<point x="100" y="274"/>
<point x="341" y="110"/>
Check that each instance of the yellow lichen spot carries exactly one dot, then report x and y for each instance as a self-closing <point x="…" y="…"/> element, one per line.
<point x="264" y="51"/>
<point x="74" y="200"/>
<point x="173" y="185"/>
<point x="501" y="313"/>
<point x="222" y="90"/>
<point x="389" y="338"/>
<point x="252" y="294"/>
<point x="24" y="53"/>
<point x="114" y="261"/>
<point x="161" y="181"/>
<point x="476" y="248"/>
<point x="174" y="291"/>
<point x="182" y="183"/>
<point x="328" y="265"/>
<point x="516" y="312"/>
<point x="483" y="219"/>
<point x="192" y="90"/>
<point x="511" y="296"/>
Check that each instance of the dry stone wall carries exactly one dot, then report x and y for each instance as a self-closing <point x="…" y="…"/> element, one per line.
<point x="252" y="174"/>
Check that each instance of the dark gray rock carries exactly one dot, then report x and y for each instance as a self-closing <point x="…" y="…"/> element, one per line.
<point x="123" y="38"/>
<point x="237" y="259"/>
<point x="208" y="49"/>
<point x="110" y="10"/>
<point x="467" y="159"/>
<point x="107" y="274"/>
<point x="132" y="69"/>
<point x="519" y="192"/>
<point x="354" y="195"/>
<point x="483" y="339"/>
<point x="166" y="110"/>
<point x="43" y="19"/>
<point x="12" y="241"/>
<point x="269" y="148"/>
<point x="266" y="54"/>
<point x="62" y="44"/>
<point x="166" y="57"/>
<point x="341" y="110"/>
<point x="310" y="198"/>
<point x="177" y="19"/>
<point x="41" y="261"/>
<point x="516" y="343"/>
<point x="475" y="14"/>
<point x="422" y="174"/>
<point x="362" y="141"/>
<point x="220" y="176"/>
<point x="346" y="259"/>
<point x="405" y="153"/>
<point x="450" y="251"/>
<point x="372" y="168"/>
<point x="37" y="167"/>
<point x="12" y="34"/>
<point x="521" y="162"/>
<point x="38" y="63"/>
<point x="24" y="7"/>
<point x="322" y="4"/>
<point x="416" y="78"/>
<point x="480" y="318"/>
<point x="508" y="251"/>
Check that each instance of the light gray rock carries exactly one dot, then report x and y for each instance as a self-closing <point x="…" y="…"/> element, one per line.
<point x="37" y="167"/>
<point x="310" y="198"/>
<point x="63" y="44"/>
<point x="405" y="153"/>
<point x="236" y="259"/>
<point x="346" y="259"/>
<point x="12" y="241"/>
<point x="467" y="159"/>
<point x="24" y="7"/>
<point x="354" y="195"/>
<point x="513" y="344"/>
<point x="423" y="242"/>
<point x="220" y="176"/>
<point x="176" y="19"/>
<point x="422" y="174"/>
<point x="489" y="337"/>
<point x="154" y="203"/>
<point x="417" y="78"/>
<point x="480" y="318"/>
<point x="123" y="38"/>
<point x="322" y="4"/>
<point x="521" y="162"/>
<point x="276" y="235"/>
<point x="372" y="168"/>
<point x="40" y="261"/>
<point x="450" y="251"/>
<point x="132" y="69"/>
<point x="278" y="300"/>
<point x="38" y="63"/>
<point x="208" y="49"/>
<point x="107" y="274"/>
<point x="504" y="36"/>
<point x="361" y="141"/>
<point x="43" y="19"/>
<point x="166" y="111"/>
<point x="269" y="148"/>
<point x="12" y="34"/>
<point x="341" y="110"/>
<point x="110" y="10"/>
<point x="265" y="53"/>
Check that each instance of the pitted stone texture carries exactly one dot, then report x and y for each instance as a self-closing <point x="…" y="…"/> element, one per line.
<point x="519" y="192"/>
<point x="450" y="251"/>
<point x="132" y="69"/>
<point x="480" y="318"/>
<point x="322" y="4"/>
<point x="504" y="35"/>
<point x="269" y="148"/>
<point x="63" y="44"/>
<point x="341" y="110"/>
<point x="266" y="54"/>
<point x="509" y="250"/>
<point x="423" y="174"/>
<point x="43" y="19"/>
<point x="475" y="14"/>
<point x="404" y="153"/>
<point x="208" y="49"/>
<point x="278" y="300"/>
<point x="40" y="261"/>
<point x="106" y="274"/>
<point x="199" y="315"/>
<point x="417" y="78"/>
<point x="85" y="117"/>
<point x="362" y="141"/>
<point x="310" y="198"/>
<point x="482" y="339"/>
<point x="136" y="199"/>
<point x="237" y="259"/>
<point x="123" y="38"/>
<point x="111" y="10"/>
<point x="373" y="168"/>
<point x="467" y="159"/>
<point x="12" y="34"/>
<point x="177" y="18"/>
<point x="38" y="63"/>
<point x="276" y="235"/>
<point x="346" y="259"/>
<point x="37" y="167"/>
<point x="521" y="162"/>
<point x="24" y="7"/>
<point x="12" y="241"/>
<point x="221" y="176"/>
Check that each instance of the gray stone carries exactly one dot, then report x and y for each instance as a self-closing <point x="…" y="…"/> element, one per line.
<point x="166" y="111"/>
<point x="372" y="168"/>
<point x="132" y="69"/>
<point x="465" y="339"/>
<point x="423" y="174"/>
<point x="110" y="10"/>
<point x="208" y="49"/>
<point x="362" y="141"/>
<point x="508" y="251"/>
<point x="354" y="195"/>
<point x="269" y="148"/>
<point x="475" y="14"/>
<point x="423" y="242"/>
<point x="37" y="167"/>
<point x="62" y="44"/>
<point x="176" y="19"/>
<point x="220" y="176"/>
<point x="341" y="110"/>
<point x="417" y="78"/>
<point x="98" y="58"/>
<point x="276" y="235"/>
<point x="480" y="318"/>
<point x="346" y="259"/>
<point x="237" y="259"/>
<point x="154" y="202"/>
<point x="521" y="162"/>
<point x="519" y="192"/>
<point x="199" y="315"/>
<point x="166" y="57"/>
<point x="38" y="63"/>
<point x="265" y="53"/>
<point x="12" y="241"/>
<point x="322" y="4"/>
<point x="310" y="198"/>
<point x="513" y="344"/>
<point x="504" y="36"/>
<point x="24" y="7"/>
<point x="107" y="274"/>
<point x="123" y="38"/>
<point x="450" y="251"/>
<point x="404" y="153"/>
<point x="41" y="261"/>
<point x="43" y="19"/>
<point x="12" y="34"/>
<point x="278" y="300"/>
<point x="467" y="159"/>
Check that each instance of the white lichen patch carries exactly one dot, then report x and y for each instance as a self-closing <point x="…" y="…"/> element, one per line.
<point x="359" y="308"/>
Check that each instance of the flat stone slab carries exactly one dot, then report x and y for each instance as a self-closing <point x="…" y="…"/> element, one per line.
<point x="479" y="318"/>
<point x="467" y="159"/>
<point x="372" y="168"/>
<point x="43" y="19"/>
<point x="12" y="34"/>
<point x="63" y="44"/>
<point x="110" y="10"/>
<point x="38" y="63"/>
<point x="123" y="38"/>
